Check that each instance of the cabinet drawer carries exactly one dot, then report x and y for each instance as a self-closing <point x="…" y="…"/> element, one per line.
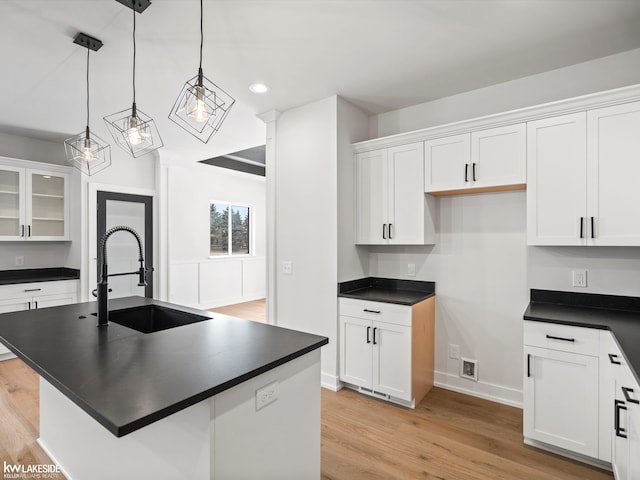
<point x="378" y="311"/>
<point x="565" y="338"/>
<point x="18" y="290"/>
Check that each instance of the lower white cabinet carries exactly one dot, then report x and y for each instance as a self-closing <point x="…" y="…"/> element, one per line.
<point x="561" y="387"/>
<point x="625" y="444"/>
<point x="30" y="296"/>
<point x="387" y="349"/>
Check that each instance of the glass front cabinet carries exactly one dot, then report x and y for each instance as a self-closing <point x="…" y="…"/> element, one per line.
<point x="34" y="204"/>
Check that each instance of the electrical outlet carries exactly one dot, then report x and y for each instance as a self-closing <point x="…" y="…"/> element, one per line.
<point x="287" y="268"/>
<point x="411" y="269"/>
<point x="454" y="351"/>
<point x="579" y="278"/>
<point x="19" y="261"/>
<point x="267" y="395"/>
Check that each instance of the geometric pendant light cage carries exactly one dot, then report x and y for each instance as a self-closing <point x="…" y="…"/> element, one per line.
<point x="202" y="106"/>
<point x="133" y="130"/>
<point x="86" y="151"/>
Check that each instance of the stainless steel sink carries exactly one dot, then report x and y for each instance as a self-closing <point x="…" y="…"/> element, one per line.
<point x="153" y="318"/>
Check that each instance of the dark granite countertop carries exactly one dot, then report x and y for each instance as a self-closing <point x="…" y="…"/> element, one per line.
<point x="31" y="275"/>
<point x="387" y="290"/>
<point x="125" y="379"/>
<point x="620" y="315"/>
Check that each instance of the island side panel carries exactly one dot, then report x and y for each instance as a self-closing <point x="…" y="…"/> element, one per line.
<point x="176" y="447"/>
<point x="422" y="348"/>
<point x="281" y="440"/>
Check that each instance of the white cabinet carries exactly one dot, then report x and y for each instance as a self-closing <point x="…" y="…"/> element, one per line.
<point x="386" y="349"/>
<point x="612" y="365"/>
<point x="29" y="296"/>
<point x="34" y="203"/>
<point x="581" y="175"/>
<point x="485" y="159"/>
<point x="626" y="432"/>
<point x="561" y="386"/>
<point x="391" y="205"/>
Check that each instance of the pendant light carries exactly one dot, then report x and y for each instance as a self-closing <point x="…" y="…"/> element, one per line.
<point x="132" y="129"/>
<point x="202" y="106"/>
<point x="86" y="151"/>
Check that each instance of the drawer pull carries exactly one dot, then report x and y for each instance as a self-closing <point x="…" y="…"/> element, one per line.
<point x="528" y="364"/>
<point x="619" y="405"/>
<point x="551" y="337"/>
<point x="32" y="289"/>
<point x="374" y="335"/>
<point x="625" y="390"/>
<point x="368" y="330"/>
<point x="371" y="311"/>
<point x="612" y="359"/>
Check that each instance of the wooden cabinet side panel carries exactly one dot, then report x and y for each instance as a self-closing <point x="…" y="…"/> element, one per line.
<point x="422" y="348"/>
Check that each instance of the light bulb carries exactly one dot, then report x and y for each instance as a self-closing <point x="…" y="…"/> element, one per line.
<point x="197" y="106"/>
<point x="135" y="136"/>
<point x="87" y="154"/>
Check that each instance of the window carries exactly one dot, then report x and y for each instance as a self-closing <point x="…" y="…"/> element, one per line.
<point x="229" y="229"/>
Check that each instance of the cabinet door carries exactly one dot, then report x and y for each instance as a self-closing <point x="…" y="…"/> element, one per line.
<point x="373" y="197"/>
<point x="613" y="153"/>
<point x="446" y="163"/>
<point x="499" y="156"/>
<point x="12" y="203"/>
<point x="406" y="202"/>
<point x="355" y="351"/>
<point x="612" y="363"/>
<point x="15" y="304"/>
<point x="633" y="434"/>
<point x="561" y="399"/>
<point x="392" y="360"/>
<point x="557" y="180"/>
<point x="44" y="301"/>
<point x="47" y="205"/>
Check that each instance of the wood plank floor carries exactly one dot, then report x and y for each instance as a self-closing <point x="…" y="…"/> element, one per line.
<point x="255" y="310"/>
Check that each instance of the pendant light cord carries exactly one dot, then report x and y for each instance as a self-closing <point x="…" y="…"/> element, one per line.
<point x="201" y="33"/>
<point x="88" y="87"/>
<point x="134" y="55"/>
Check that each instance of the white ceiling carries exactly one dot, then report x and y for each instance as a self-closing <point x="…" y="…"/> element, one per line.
<point x="379" y="54"/>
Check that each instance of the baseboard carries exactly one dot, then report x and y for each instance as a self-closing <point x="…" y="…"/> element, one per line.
<point x="330" y="382"/>
<point x="53" y="459"/>
<point x="488" y="391"/>
<point x="569" y="454"/>
<point x="6" y="356"/>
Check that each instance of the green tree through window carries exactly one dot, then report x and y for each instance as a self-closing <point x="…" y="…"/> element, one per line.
<point x="229" y="227"/>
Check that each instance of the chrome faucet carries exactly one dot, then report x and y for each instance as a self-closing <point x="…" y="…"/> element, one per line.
<point x="103" y="286"/>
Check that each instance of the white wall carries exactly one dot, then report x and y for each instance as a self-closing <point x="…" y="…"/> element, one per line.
<point x="194" y="278"/>
<point x="45" y="254"/>
<point x="481" y="263"/>
<point x="589" y="77"/>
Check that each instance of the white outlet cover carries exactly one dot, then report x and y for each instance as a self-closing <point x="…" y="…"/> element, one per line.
<point x="287" y="268"/>
<point x="579" y="278"/>
<point x="267" y="394"/>
<point x="411" y="269"/>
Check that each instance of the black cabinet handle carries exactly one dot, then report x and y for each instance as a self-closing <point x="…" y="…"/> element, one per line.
<point x="528" y="364"/>
<point x="390" y="231"/>
<point x="473" y="172"/>
<point x="384" y="231"/>
<point x="36" y="305"/>
<point x="29" y="303"/>
<point x="368" y="330"/>
<point x="370" y="311"/>
<point x="625" y="390"/>
<point x="617" y="406"/>
<point x="612" y="359"/>
<point x="466" y="172"/>
<point x="22" y="230"/>
<point x="551" y="337"/>
<point x="32" y="289"/>
<point x="374" y="335"/>
<point x="29" y="231"/>
<point x="581" y="227"/>
<point x="593" y="231"/>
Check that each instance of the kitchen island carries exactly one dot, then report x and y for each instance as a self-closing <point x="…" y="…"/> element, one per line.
<point x="215" y="399"/>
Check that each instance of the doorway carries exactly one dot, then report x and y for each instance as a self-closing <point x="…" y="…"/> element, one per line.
<point x="135" y="211"/>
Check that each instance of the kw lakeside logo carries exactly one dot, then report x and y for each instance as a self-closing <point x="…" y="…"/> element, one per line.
<point x="39" y="471"/>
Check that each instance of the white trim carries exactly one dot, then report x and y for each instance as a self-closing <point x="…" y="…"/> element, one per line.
<point x="560" y="107"/>
<point x="50" y="167"/>
<point x="488" y="391"/>
<point x="569" y="454"/>
<point x="330" y="382"/>
<point x="53" y="459"/>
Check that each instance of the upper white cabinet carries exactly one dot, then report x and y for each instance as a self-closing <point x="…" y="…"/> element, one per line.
<point x="484" y="159"/>
<point x="581" y="173"/>
<point x="391" y="205"/>
<point x="34" y="204"/>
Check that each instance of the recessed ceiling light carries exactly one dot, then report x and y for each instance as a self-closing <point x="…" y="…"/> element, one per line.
<point x="259" y="88"/>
